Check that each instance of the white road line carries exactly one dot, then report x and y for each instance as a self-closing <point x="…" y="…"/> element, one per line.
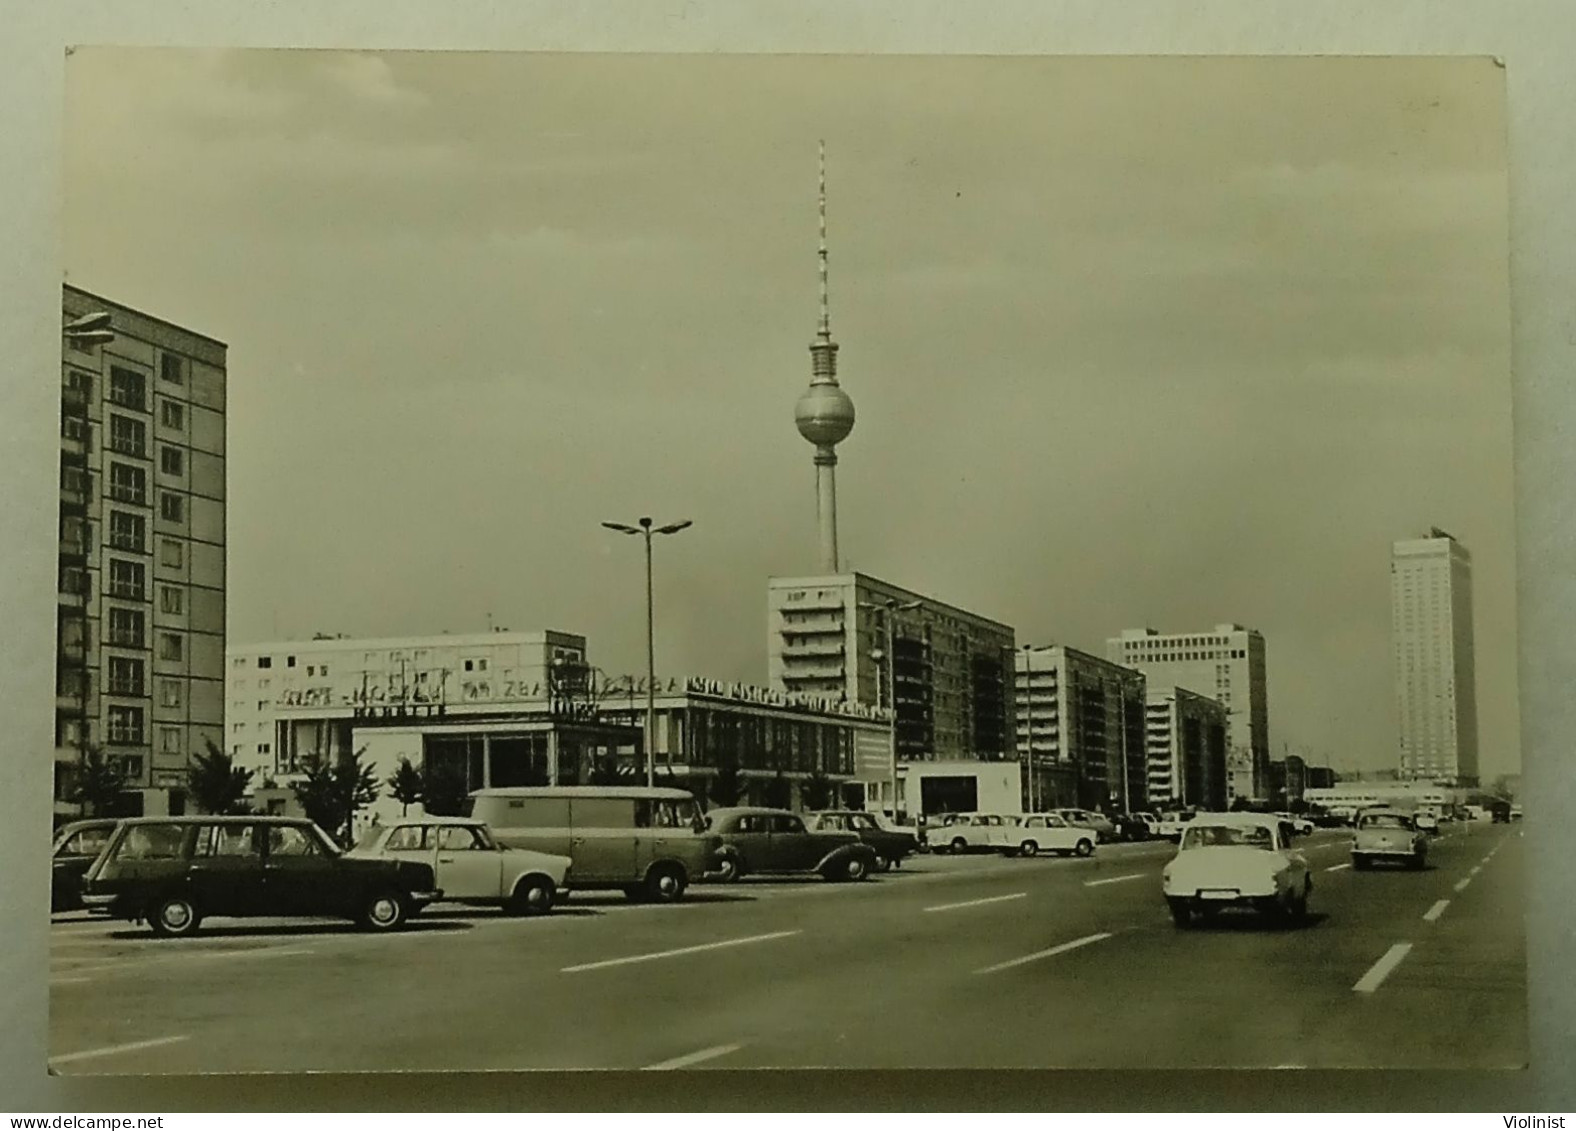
<point x="693" y="1058"/>
<point x="1076" y="943"/>
<point x="1475" y="870"/>
<point x="112" y="1050"/>
<point x="671" y="953"/>
<point x="68" y="981"/>
<point x="977" y="902"/>
<point x="1380" y="970"/>
<point x="1462" y="885"/>
<point x="1113" y="880"/>
<point x="1435" y="911"/>
<point x="1338" y="867"/>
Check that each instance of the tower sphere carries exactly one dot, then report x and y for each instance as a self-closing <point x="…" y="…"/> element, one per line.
<point x="824" y="414"/>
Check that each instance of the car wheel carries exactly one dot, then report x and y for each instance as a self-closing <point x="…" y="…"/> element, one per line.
<point x="727" y="870"/>
<point x="959" y="845"/>
<point x="175" y="917"/>
<point x="1416" y="862"/>
<point x="856" y="869"/>
<point x="533" y="895"/>
<point x="665" y="884"/>
<point x="1181" y="915"/>
<point x="383" y="911"/>
<point x="1084" y="847"/>
<point x="1029" y="848"/>
<point x="883" y="864"/>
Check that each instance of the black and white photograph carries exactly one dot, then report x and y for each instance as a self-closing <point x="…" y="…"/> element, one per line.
<point x="678" y="561"/>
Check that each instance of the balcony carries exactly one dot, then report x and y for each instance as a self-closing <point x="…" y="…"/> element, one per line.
<point x="74" y="400"/>
<point x="801" y="647"/>
<point x="71" y="651"/>
<point x="817" y="670"/>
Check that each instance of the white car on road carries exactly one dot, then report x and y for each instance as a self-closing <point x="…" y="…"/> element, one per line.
<point x="1172" y="823"/>
<point x="971" y="832"/>
<point x="1049" y="832"/>
<point x="471" y="866"/>
<point x="1237" y="860"/>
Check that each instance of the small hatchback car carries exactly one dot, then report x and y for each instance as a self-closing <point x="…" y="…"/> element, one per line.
<point x="171" y="872"/>
<point x="1388" y="834"/>
<point x="471" y="866"/>
<point x="1237" y="860"/>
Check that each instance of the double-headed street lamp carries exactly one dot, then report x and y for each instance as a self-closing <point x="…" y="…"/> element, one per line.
<point x="889" y="609"/>
<point x="646" y="529"/>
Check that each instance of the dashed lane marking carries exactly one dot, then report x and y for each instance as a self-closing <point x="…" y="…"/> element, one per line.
<point x="112" y="1050"/>
<point x="1461" y="885"/>
<point x="977" y="902"/>
<point x="1339" y="867"/>
<point x="1380" y="970"/>
<point x="1113" y="880"/>
<point x="693" y="1058"/>
<point x="634" y="958"/>
<point x="1435" y="911"/>
<point x="1039" y="954"/>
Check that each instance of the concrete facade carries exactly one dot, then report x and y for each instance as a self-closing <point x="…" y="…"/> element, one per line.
<point x="1082" y="720"/>
<point x="141" y="605"/>
<point x="1186" y="738"/>
<point x="1226" y="663"/>
<point x="1435" y="677"/>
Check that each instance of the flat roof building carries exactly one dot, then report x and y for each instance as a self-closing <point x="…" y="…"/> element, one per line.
<point x="1435" y="675"/>
<point x="1225" y="663"/>
<point x="141" y="579"/>
<point x="1080" y="731"/>
<point x="1186" y="738"/>
<point x="951" y="669"/>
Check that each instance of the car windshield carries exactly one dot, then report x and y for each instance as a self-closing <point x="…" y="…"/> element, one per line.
<point x="1384" y="821"/>
<point x="1224" y="836"/>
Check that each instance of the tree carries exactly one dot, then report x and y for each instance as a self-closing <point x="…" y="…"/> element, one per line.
<point x="216" y="784"/>
<point x="725" y="788"/>
<point x="818" y="791"/>
<point x="331" y="794"/>
<point x="444" y="789"/>
<point x="99" y="784"/>
<point x="778" y="794"/>
<point x="405" y="785"/>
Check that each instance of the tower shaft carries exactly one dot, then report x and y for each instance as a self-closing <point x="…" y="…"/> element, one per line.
<point x="826" y="505"/>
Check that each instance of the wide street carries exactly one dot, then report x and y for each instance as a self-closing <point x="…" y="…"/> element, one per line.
<point x="950" y="962"/>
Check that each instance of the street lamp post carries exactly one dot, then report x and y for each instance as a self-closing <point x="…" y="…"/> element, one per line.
<point x="889" y="609"/>
<point x="646" y="530"/>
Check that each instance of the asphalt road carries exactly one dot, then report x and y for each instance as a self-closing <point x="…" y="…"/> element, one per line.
<point x="951" y="962"/>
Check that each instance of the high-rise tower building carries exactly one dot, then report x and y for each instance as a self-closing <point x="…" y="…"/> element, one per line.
<point x="1435" y="681"/>
<point x="824" y="413"/>
<point x="141" y="621"/>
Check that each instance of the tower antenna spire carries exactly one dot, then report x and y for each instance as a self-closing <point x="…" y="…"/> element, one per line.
<point x="825" y="330"/>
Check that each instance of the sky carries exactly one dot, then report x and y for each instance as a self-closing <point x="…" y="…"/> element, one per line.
<point x="1132" y="341"/>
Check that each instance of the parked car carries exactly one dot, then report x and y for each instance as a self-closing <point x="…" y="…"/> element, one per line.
<point x="1237" y="860"/>
<point x="1103" y="827"/>
<point x="1302" y="826"/>
<point x="173" y="872"/>
<point x="76" y="846"/>
<point x="1388" y="834"/>
<point x="970" y="832"/>
<point x="890" y="845"/>
<point x="471" y="866"/>
<point x="1049" y="832"/>
<point x="1173" y="822"/>
<point x="1500" y="811"/>
<point x="1515" y="812"/>
<point x="1426" y="822"/>
<point x="1151" y="822"/>
<point x="1130" y="827"/>
<point x="776" y="841"/>
<point x="647" y="842"/>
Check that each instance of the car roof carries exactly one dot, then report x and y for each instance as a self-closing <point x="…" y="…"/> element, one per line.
<point x="741" y="810"/>
<point x="657" y="793"/>
<point x="90" y="823"/>
<point x="215" y="820"/>
<point x="431" y="820"/>
<point x="1203" y="820"/>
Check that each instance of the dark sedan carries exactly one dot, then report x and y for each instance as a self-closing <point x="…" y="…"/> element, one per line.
<point x="776" y="842"/>
<point x="77" y="845"/>
<point x="173" y="871"/>
<point x="891" y="845"/>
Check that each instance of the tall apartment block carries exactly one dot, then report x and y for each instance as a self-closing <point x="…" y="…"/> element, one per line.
<point x="951" y="669"/>
<point x="1435" y="678"/>
<point x="1186" y="737"/>
<point x="141" y="614"/>
<point x="1080" y="723"/>
<point x="1226" y="664"/>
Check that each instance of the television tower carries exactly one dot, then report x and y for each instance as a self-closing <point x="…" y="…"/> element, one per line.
<point x="824" y="413"/>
